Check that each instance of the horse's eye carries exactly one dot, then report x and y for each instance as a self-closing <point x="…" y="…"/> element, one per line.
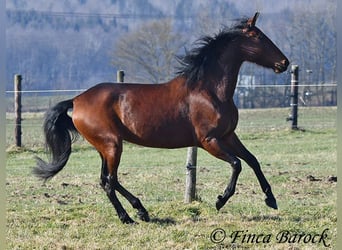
<point x="254" y="34"/>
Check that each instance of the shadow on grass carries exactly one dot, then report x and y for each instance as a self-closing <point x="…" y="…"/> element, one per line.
<point x="163" y="221"/>
<point x="263" y="218"/>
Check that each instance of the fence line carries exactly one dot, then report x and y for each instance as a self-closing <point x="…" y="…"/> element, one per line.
<point x="246" y="96"/>
<point x="239" y="86"/>
<point x="35" y="105"/>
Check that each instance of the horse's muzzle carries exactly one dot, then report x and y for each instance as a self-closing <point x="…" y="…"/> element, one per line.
<point x="280" y="67"/>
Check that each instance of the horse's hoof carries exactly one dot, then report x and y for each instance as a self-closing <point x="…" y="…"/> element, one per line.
<point x="219" y="202"/>
<point x="144" y="216"/>
<point x="271" y="202"/>
<point x="130" y="222"/>
<point x="127" y="220"/>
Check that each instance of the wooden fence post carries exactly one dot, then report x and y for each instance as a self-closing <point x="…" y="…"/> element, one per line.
<point x="294" y="97"/>
<point x="190" y="181"/>
<point x="120" y="75"/>
<point x="17" y="109"/>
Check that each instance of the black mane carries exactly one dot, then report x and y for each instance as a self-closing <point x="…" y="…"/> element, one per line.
<point x="195" y="63"/>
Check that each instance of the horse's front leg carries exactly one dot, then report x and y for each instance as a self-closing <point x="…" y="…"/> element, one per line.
<point x="235" y="145"/>
<point x="218" y="149"/>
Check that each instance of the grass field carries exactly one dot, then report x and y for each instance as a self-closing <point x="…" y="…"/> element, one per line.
<point x="72" y="212"/>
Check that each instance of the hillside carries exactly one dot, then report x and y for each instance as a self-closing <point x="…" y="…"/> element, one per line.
<point x="69" y="44"/>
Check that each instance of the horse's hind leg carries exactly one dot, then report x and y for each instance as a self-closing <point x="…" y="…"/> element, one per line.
<point x="109" y="180"/>
<point x="135" y="202"/>
<point x="240" y="151"/>
<point x="124" y="217"/>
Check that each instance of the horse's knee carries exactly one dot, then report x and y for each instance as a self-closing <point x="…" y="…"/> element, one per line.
<point x="108" y="184"/>
<point x="236" y="165"/>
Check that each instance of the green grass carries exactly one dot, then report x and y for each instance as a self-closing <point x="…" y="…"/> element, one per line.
<point x="72" y="211"/>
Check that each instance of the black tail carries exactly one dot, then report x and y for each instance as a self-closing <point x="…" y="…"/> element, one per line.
<point x="59" y="132"/>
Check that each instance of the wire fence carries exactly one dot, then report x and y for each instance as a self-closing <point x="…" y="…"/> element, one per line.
<point x="261" y="107"/>
<point x="255" y="96"/>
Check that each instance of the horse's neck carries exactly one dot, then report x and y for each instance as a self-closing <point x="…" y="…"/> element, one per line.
<point x="225" y="87"/>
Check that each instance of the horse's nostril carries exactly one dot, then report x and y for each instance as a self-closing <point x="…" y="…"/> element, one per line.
<point x="285" y="62"/>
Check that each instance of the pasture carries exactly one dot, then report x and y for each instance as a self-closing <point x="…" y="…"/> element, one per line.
<point x="72" y="211"/>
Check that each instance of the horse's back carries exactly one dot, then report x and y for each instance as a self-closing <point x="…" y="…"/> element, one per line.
<point x="153" y="115"/>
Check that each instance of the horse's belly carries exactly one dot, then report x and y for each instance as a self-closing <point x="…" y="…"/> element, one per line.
<point x="165" y="137"/>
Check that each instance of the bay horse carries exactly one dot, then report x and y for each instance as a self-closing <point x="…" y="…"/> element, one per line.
<point x="195" y="108"/>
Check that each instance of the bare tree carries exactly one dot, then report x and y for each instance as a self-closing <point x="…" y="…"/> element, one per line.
<point x="148" y="54"/>
<point x="313" y="46"/>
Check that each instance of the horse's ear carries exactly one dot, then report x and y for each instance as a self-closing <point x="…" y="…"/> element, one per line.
<point x="251" y="22"/>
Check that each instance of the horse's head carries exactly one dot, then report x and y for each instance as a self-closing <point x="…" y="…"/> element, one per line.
<point x="231" y="46"/>
<point x="259" y="49"/>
